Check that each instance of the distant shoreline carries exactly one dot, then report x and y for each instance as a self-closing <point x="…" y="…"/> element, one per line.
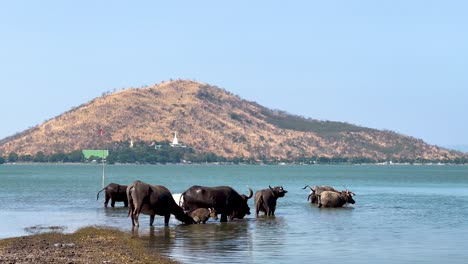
<point x="234" y="164"/>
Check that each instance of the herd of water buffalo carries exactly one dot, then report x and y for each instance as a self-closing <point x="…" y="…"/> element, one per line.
<point x="198" y="203"/>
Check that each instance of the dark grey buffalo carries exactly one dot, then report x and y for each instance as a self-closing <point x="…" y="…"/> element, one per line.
<point x="201" y="215"/>
<point x="265" y="200"/>
<point x="116" y="193"/>
<point x="223" y="199"/>
<point x="333" y="199"/>
<point x="316" y="191"/>
<point x="153" y="200"/>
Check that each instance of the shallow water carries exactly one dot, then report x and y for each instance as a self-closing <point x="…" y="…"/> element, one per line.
<point x="403" y="214"/>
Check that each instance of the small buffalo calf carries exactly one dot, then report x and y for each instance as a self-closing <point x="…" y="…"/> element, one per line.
<point x="201" y="215"/>
<point x="116" y="193"/>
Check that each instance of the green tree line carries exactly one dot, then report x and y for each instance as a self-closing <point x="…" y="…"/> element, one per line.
<point x="162" y="153"/>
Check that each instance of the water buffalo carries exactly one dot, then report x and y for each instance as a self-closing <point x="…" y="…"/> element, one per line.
<point x="265" y="200"/>
<point x="116" y="193"/>
<point x="317" y="190"/>
<point x="201" y="215"/>
<point x="335" y="199"/>
<point x="153" y="200"/>
<point x="223" y="199"/>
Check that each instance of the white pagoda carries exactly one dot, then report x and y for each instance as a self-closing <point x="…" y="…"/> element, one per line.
<point x="175" y="142"/>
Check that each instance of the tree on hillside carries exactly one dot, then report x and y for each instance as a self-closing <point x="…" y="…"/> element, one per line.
<point x="12" y="157"/>
<point x="40" y="157"/>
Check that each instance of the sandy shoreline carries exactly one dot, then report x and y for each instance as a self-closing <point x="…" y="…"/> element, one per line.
<point x="87" y="245"/>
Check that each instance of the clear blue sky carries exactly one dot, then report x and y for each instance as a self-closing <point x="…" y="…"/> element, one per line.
<point x="397" y="65"/>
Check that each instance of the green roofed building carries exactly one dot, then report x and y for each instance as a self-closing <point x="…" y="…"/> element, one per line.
<point x="100" y="153"/>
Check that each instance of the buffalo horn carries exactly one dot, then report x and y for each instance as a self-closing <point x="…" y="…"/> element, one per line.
<point x="250" y="193"/>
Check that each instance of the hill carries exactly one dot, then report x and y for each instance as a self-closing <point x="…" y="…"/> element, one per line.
<point x="212" y="120"/>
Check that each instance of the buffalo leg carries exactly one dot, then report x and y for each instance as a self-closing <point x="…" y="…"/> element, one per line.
<point x="257" y="208"/>
<point x="106" y="202"/>
<point x="223" y="218"/>
<point x="267" y="210"/>
<point x="112" y="202"/>
<point x="272" y="208"/>
<point x="166" y="219"/>
<point x="151" y="220"/>
<point x="130" y="213"/>
<point x="135" y="219"/>
<point x="136" y="213"/>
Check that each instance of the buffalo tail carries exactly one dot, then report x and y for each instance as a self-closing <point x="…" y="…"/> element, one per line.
<point x="97" y="198"/>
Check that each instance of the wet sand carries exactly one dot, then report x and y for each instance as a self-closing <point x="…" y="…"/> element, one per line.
<point x="87" y="245"/>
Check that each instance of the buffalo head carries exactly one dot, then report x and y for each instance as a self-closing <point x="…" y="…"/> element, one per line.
<point x="348" y="196"/>
<point x="312" y="195"/>
<point x="242" y="208"/>
<point x="278" y="191"/>
<point x="213" y="213"/>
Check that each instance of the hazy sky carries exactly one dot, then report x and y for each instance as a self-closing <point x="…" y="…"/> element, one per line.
<point x="397" y="65"/>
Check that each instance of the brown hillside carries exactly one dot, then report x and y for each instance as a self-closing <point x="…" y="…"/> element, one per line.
<point x="210" y="119"/>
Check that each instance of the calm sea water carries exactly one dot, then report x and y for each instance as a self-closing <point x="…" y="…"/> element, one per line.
<point x="403" y="214"/>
